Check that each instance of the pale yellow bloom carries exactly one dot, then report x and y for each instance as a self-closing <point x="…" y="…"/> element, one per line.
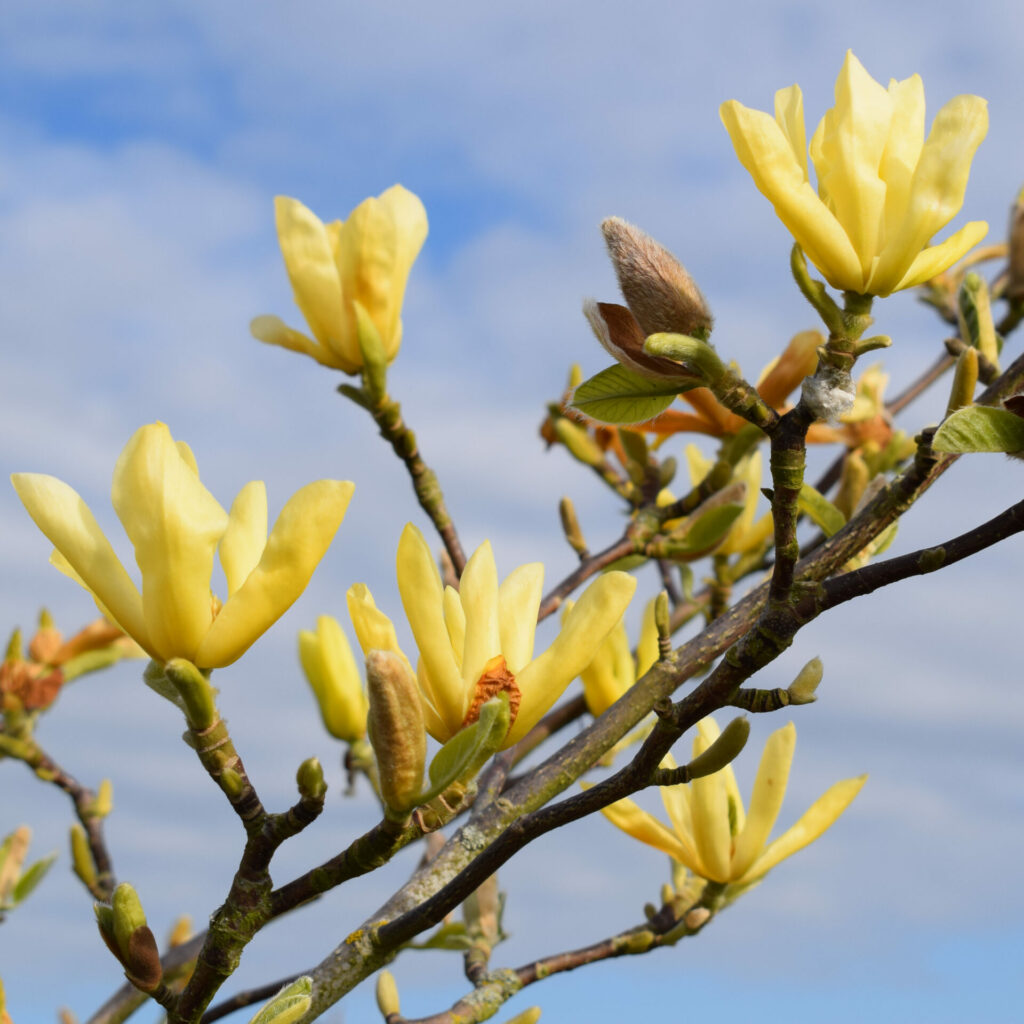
<point x="478" y="641"/>
<point x="712" y="836"/>
<point x="176" y="526"/>
<point x="613" y="670"/>
<point x="332" y="673"/>
<point x="363" y="261"/>
<point x="883" y="189"/>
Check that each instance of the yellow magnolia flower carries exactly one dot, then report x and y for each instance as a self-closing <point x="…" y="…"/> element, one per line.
<point x="712" y="836"/>
<point x="332" y="673"/>
<point x="176" y="526"/>
<point x="613" y="670"/>
<point x="883" y="189"/>
<point x="335" y="268"/>
<point x="477" y="641"/>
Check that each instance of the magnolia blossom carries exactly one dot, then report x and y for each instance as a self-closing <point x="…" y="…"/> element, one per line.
<point x="334" y="678"/>
<point x="710" y="833"/>
<point x="339" y="268"/>
<point x="176" y="526"/>
<point x="477" y="642"/>
<point x="883" y="189"/>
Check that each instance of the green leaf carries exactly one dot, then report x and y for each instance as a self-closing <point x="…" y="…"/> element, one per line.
<point x="31" y="878"/>
<point x="618" y="395"/>
<point x="820" y="510"/>
<point x="465" y="753"/>
<point x="625" y="563"/>
<point x="289" y="1005"/>
<point x="980" y="428"/>
<point x="710" y="529"/>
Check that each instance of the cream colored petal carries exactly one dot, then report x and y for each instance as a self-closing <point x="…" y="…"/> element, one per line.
<point x="937" y="188"/>
<point x="376" y="249"/>
<point x="478" y="591"/>
<point x="68" y="524"/>
<point x="820" y="816"/>
<point x="592" y="618"/>
<point x="766" y="153"/>
<point x="246" y="535"/>
<point x="709" y="809"/>
<point x="628" y="816"/>
<point x="455" y="623"/>
<point x="937" y="258"/>
<point x="647" y="648"/>
<point x="174" y="524"/>
<point x="847" y="154"/>
<point x="419" y="584"/>
<point x="902" y="151"/>
<point x="766" y="800"/>
<point x="789" y="114"/>
<point x="272" y="330"/>
<point x="299" y="540"/>
<point x="518" y="603"/>
<point x="309" y="260"/>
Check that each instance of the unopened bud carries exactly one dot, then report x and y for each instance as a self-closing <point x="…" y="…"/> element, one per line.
<point x="13" y="852"/>
<point x="195" y="692"/>
<point x="15" y="649"/>
<point x="668" y="894"/>
<point x="571" y="527"/>
<point x="310" y="779"/>
<point x="580" y="444"/>
<point x="658" y="290"/>
<point x="181" y="931"/>
<point x="1015" y="244"/>
<point x="801" y="690"/>
<point x="103" y="803"/>
<point x="128" y="916"/>
<point x="723" y="751"/>
<point x="650" y="911"/>
<point x="663" y="624"/>
<point x="387" y="994"/>
<point x="974" y="309"/>
<point x="696" y="917"/>
<point x="575" y="376"/>
<point x="81" y="857"/>
<point x="396" y="729"/>
<point x="965" y="380"/>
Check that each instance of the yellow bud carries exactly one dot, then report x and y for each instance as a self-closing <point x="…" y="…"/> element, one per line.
<point x="396" y="729"/>
<point x="232" y="783"/>
<point x="104" y="802"/>
<point x="81" y="857"/>
<point x="580" y="444"/>
<point x="387" y="994"/>
<point x="571" y="527"/>
<point x="801" y="690"/>
<point x="965" y="380"/>
<point x="696" y="917"/>
<point x="310" y="779"/>
<point x="723" y="751"/>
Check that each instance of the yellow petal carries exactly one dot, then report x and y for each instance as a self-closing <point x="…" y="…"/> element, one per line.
<point x="647" y="648"/>
<point x="544" y="680"/>
<point x="174" y="524"/>
<point x="68" y="524"/>
<point x="789" y="114"/>
<point x="478" y="591"/>
<point x="902" y="150"/>
<point x="455" y="623"/>
<point x="767" y="155"/>
<point x="819" y="817"/>
<point x="847" y="151"/>
<point x="419" y="584"/>
<point x="937" y="188"/>
<point x="709" y="809"/>
<point x="518" y="602"/>
<point x="309" y="260"/>
<point x="374" y="630"/>
<point x="603" y="679"/>
<point x="332" y="673"/>
<point x="676" y="800"/>
<point x="766" y="801"/>
<point x="272" y="330"/>
<point x="628" y="816"/>
<point x="376" y="249"/>
<point x="698" y="464"/>
<point x="299" y="540"/>
<point x="246" y="535"/>
<point x="432" y="720"/>
<point x="937" y="258"/>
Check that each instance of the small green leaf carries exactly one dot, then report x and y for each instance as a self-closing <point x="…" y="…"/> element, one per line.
<point x="626" y="563"/>
<point x="465" y="753"/>
<point x="820" y="510"/>
<point x="980" y="428"/>
<point x="710" y="529"/>
<point x="31" y="878"/>
<point x="618" y="395"/>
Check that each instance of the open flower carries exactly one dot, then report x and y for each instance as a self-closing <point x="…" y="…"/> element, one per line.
<point x="477" y="642"/>
<point x="711" y="835"/>
<point x="333" y="268"/>
<point x="176" y="526"/>
<point x="883" y="189"/>
<point x="334" y="678"/>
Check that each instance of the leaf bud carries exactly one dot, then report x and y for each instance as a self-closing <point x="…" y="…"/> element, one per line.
<point x="571" y="527"/>
<point x="195" y="691"/>
<point x="127" y="917"/>
<point x="696" y="918"/>
<point x="387" y="994"/>
<point x="802" y="689"/>
<point x="668" y="894"/>
<point x="1015" y="244"/>
<point x="232" y="783"/>
<point x="696" y="355"/>
<point x="310" y="780"/>
<point x="658" y="290"/>
<point x="396" y="729"/>
<point x="181" y="931"/>
<point x="723" y="751"/>
<point x="81" y="857"/>
<point x="965" y="380"/>
<point x="289" y="1005"/>
<point x="103" y="803"/>
<point x="580" y="444"/>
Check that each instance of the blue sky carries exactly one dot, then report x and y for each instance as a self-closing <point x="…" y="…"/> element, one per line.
<point x="140" y="150"/>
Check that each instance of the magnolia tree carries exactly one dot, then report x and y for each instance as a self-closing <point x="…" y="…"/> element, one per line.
<point x="503" y="773"/>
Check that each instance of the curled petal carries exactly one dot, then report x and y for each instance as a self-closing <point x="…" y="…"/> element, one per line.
<point x="937" y="258"/>
<point x="299" y="540"/>
<point x="272" y="330"/>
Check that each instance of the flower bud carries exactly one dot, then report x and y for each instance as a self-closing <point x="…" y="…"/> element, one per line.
<point x="965" y="380"/>
<point x="658" y="290"/>
<point x="396" y="729"/>
<point x="974" y="310"/>
<point x="332" y="673"/>
<point x="801" y="690"/>
<point x="723" y="751"/>
<point x="103" y="803"/>
<point x="387" y="994"/>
